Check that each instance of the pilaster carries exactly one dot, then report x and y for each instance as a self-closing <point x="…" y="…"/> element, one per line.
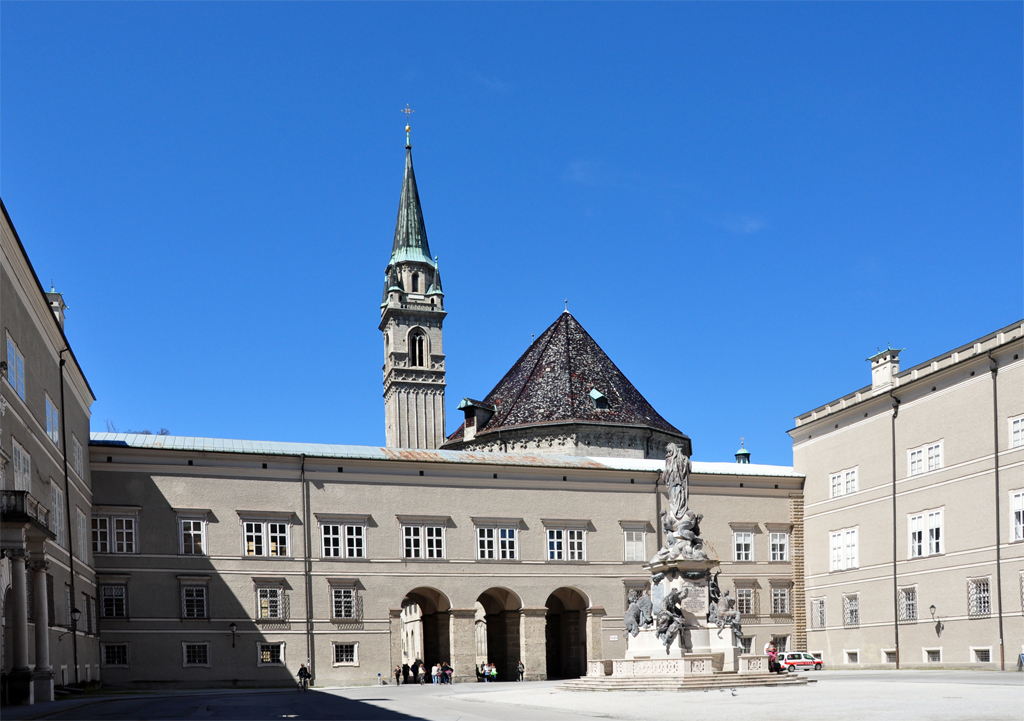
<point x="462" y="643"/>
<point x="799" y="605"/>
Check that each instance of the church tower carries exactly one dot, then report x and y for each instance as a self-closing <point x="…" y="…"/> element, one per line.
<point x="411" y="315"/>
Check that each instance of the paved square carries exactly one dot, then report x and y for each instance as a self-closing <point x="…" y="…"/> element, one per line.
<point x="902" y="696"/>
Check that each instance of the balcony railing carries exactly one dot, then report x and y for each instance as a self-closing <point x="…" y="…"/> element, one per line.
<point x="22" y="503"/>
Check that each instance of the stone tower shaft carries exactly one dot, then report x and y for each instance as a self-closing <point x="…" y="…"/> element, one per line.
<point x="411" y="318"/>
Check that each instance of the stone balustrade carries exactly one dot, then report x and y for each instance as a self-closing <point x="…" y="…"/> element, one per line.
<point x="22" y="503"/>
<point x="751" y="663"/>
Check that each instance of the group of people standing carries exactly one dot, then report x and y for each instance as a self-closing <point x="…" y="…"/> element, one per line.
<point x="417" y="673"/>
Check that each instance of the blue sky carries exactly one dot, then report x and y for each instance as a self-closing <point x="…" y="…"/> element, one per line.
<point x="740" y="201"/>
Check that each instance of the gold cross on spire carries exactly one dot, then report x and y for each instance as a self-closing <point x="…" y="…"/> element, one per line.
<point x="408" y="112"/>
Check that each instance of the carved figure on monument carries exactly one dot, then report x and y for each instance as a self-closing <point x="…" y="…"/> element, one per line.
<point x="670" y="620"/>
<point x="682" y="538"/>
<point x="639" y="614"/>
<point x="727" y="615"/>
<point x="677" y="479"/>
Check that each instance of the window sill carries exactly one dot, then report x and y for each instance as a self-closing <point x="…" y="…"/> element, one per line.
<point x="498" y="560"/>
<point x="344" y="559"/>
<point x="195" y="618"/>
<point x="425" y="560"/>
<point x="566" y="563"/>
<point x="343" y="665"/>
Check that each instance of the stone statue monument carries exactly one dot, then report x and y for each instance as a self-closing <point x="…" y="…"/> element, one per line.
<point x="640" y="612"/>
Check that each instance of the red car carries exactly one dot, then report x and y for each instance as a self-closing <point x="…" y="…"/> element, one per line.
<point x="796" y="660"/>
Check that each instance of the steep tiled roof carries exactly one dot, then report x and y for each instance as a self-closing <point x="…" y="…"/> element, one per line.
<point x="552" y="383"/>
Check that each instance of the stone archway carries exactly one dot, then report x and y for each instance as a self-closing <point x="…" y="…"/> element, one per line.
<point x="424" y="627"/>
<point x="565" y="633"/>
<point x="497" y="625"/>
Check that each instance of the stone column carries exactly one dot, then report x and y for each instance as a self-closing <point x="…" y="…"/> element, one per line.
<point x="42" y="615"/>
<point x="395" y="618"/>
<point x="595" y="633"/>
<point x="462" y="643"/>
<point x="513" y="626"/>
<point x="42" y="677"/>
<point x="533" y="643"/>
<point x="20" y="620"/>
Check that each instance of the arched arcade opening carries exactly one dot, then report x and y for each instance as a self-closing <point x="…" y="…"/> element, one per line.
<point x="565" y="633"/>
<point x="425" y="627"/>
<point x="497" y="624"/>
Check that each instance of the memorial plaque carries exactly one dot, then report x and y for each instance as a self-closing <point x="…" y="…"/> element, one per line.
<point x="696" y="600"/>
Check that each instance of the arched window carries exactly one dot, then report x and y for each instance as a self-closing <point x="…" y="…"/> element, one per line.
<point x="415" y="282"/>
<point x="416" y="345"/>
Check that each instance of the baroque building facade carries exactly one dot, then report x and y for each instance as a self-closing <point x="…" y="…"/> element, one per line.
<point x="914" y="516"/>
<point x="49" y="592"/>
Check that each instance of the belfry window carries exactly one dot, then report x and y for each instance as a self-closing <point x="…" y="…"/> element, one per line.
<point x="416" y="343"/>
<point x="415" y="282"/>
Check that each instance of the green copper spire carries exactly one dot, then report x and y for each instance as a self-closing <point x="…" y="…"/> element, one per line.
<point x="410" y="232"/>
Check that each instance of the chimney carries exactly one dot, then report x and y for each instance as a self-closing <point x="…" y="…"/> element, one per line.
<point x="57" y="305"/>
<point x="885" y="365"/>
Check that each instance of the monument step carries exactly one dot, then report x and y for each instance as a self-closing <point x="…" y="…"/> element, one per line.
<point x="718" y="681"/>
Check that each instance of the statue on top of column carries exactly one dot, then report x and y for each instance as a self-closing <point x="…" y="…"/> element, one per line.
<point x="682" y="525"/>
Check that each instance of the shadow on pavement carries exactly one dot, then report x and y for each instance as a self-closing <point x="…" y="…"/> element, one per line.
<point x="284" y="705"/>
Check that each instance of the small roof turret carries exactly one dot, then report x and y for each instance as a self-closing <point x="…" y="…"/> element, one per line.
<point x="742" y="455"/>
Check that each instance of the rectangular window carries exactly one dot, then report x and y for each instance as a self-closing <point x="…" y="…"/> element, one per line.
<point x="485" y="543"/>
<point x="979" y="598"/>
<point x="355" y="540"/>
<point x="779" y="546"/>
<point x="114" y="601"/>
<point x="636" y="546"/>
<point x="82" y="525"/>
<point x="934" y="655"/>
<point x="331" y="541"/>
<point x="193" y="602"/>
<point x="269" y="603"/>
<point x="818" y="619"/>
<point x="843" y="482"/>
<point x="781" y="643"/>
<point x="851" y="610"/>
<point x="556" y="547"/>
<point x="853" y="657"/>
<point x="124" y="535"/>
<point x="343" y="603"/>
<point x="196" y="654"/>
<point x="743" y="546"/>
<point x="271" y="654"/>
<point x="576" y="544"/>
<point x="345" y="654"/>
<point x="1016" y="432"/>
<point x="253" y="538"/>
<point x="22" y="467"/>
<point x="745" y="601"/>
<point x="193" y="537"/>
<point x="278" y="535"/>
<point x="1017" y="515"/>
<point x="57" y="514"/>
<point x="926" y="458"/>
<point x="507" y="544"/>
<point x="780" y="601"/>
<point x="843" y="545"/>
<point x="15" y="368"/>
<point x="52" y="421"/>
<point x="982" y="655"/>
<point x="934" y="522"/>
<point x="76" y="456"/>
<point x="115" y="654"/>
<point x="916" y="526"/>
<point x="413" y="542"/>
<point x="851" y="481"/>
<point x="908" y="605"/>
<point x="917" y="462"/>
<point x="435" y="541"/>
<point x="87" y="625"/>
<point x="746" y="643"/>
<point x="100" y="535"/>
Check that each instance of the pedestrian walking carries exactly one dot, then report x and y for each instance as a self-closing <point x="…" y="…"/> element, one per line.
<point x="494" y="673"/>
<point x="435" y="673"/>
<point x="421" y="677"/>
<point x="398" y="675"/>
<point x="521" y="670"/>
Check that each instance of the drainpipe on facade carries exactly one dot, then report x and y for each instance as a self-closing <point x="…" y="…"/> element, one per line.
<point x="895" y="580"/>
<point x="994" y="369"/>
<point x="67" y="519"/>
<point x="307" y="542"/>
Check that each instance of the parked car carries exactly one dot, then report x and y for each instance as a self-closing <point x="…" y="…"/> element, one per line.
<point x="796" y="660"/>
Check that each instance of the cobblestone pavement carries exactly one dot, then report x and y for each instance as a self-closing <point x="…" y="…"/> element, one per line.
<point x="901" y="696"/>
